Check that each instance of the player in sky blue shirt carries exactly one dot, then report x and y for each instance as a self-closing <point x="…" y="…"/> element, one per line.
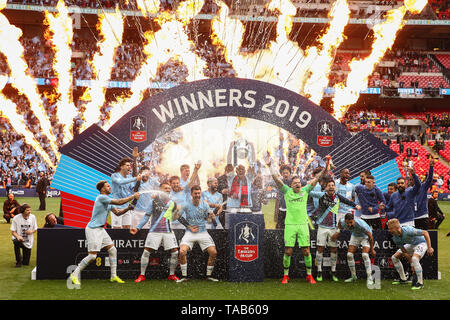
<point x="214" y="199"/>
<point x="196" y="212"/>
<point x="122" y="182"/>
<point x="180" y="194"/>
<point x="361" y="235"/>
<point x="347" y="190"/>
<point x="96" y="236"/>
<point x="412" y="243"/>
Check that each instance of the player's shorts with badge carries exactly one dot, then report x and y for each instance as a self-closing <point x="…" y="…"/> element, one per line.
<point x="357" y="241"/>
<point x="155" y="239"/>
<point x="202" y="238"/>
<point x="324" y="237"/>
<point x="299" y="232"/>
<point x="97" y="238"/>
<point x="418" y="249"/>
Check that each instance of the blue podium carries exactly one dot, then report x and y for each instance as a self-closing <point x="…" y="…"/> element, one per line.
<point x="246" y="247"/>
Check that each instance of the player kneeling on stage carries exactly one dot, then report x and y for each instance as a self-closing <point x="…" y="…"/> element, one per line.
<point x="96" y="235"/>
<point x="197" y="213"/>
<point x="361" y="235"/>
<point x="413" y="244"/>
<point x="162" y="210"/>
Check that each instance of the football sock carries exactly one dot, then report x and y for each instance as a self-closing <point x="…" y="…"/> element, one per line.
<point x="351" y="263"/>
<point x="84" y="263"/>
<point x="418" y="268"/>
<point x="173" y="262"/>
<point x="333" y="257"/>
<point x="209" y="270"/>
<point x="308" y="264"/>
<point x="144" y="261"/>
<point x="399" y="267"/>
<point x="286" y="264"/>
<point x="319" y="257"/>
<point x="367" y="264"/>
<point x="113" y="261"/>
<point x="183" y="269"/>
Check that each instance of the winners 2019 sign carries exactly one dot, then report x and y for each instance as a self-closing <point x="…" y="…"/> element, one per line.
<point x="93" y="155"/>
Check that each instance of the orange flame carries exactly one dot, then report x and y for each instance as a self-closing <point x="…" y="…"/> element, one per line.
<point x="60" y="33"/>
<point x="170" y="42"/>
<point x="13" y="50"/>
<point x="111" y="28"/>
<point x="385" y="34"/>
<point x="8" y="109"/>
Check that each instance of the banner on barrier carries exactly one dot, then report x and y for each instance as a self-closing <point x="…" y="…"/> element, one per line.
<point x="55" y="257"/>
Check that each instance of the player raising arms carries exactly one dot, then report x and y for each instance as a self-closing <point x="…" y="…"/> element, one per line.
<point x="122" y="183"/>
<point x="361" y="235"/>
<point x="326" y="215"/>
<point x="296" y="221"/>
<point x="161" y="209"/>
<point x="413" y="244"/>
<point x="96" y="235"/>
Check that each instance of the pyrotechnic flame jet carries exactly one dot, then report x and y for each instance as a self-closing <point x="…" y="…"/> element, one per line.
<point x="110" y="27"/>
<point x="13" y="50"/>
<point x="324" y="56"/>
<point x="8" y="109"/>
<point x="282" y="63"/>
<point x="170" y="42"/>
<point x="60" y="33"/>
<point x="385" y="34"/>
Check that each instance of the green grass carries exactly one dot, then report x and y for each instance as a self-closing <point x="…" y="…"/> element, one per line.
<point x="16" y="283"/>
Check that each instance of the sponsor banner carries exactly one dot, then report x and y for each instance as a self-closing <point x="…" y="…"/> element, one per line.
<point x="55" y="257"/>
<point x="18" y="192"/>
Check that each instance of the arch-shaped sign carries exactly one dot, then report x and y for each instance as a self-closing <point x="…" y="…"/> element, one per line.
<point x="93" y="155"/>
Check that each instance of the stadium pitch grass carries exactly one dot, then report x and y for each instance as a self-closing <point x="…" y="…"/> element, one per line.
<point x="16" y="283"/>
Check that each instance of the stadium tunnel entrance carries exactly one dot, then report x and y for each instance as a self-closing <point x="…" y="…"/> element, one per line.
<point x="94" y="154"/>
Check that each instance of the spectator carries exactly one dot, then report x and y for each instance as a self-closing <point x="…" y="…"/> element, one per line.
<point x="41" y="189"/>
<point x="10" y="208"/>
<point x="23" y="227"/>
<point x="439" y="183"/>
<point x="435" y="213"/>
<point x="52" y="221"/>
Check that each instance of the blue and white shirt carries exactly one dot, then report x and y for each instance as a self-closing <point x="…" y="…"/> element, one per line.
<point x="347" y="191"/>
<point x="410" y="235"/>
<point x="122" y="187"/>
<point x="196" y="215"/>
<point x="146" y="198"/>
<point x="359" y="229"/>
<point x="102" y="207"/>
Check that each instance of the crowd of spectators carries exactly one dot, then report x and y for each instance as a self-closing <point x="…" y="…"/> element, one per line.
<point x="19" y="162"/>
<point x="305" y="8"/>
